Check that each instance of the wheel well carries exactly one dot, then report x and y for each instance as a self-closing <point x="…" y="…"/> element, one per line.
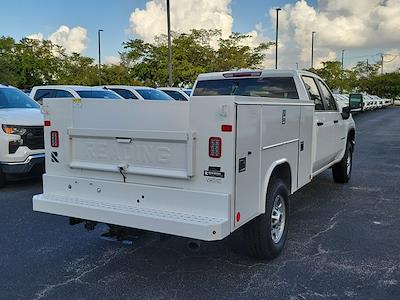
<point x="283" y="172"/>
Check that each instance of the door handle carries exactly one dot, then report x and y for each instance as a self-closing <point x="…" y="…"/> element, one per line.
<point x="336" y="121"/>
<point x="124" y="140"/>
<point x="320" y="123"/>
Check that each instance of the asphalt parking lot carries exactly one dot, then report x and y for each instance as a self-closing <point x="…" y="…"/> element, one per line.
<point x="344" y="242"/>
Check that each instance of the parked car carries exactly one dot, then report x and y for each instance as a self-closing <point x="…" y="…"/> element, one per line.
<point x="342" y="100"/>
<point x="387" y="102"/>
<point x="227" y="159"/>
<point x="138" y="92"/>
<point x="39" y="93"/>
<point x="21" y="135"/>
<point x="368" y="102"/>
<point x="378" y="100"/>
<point x="179" y="94"/>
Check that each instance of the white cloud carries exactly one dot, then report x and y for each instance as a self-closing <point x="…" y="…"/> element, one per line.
<point x="185" y="15"/>
<point x="340" y="24"/>
<point x="112" y="60"/>
<point x="36" y="36"/>
<point x="72" y="39"/>
<point x="391" y="61"/>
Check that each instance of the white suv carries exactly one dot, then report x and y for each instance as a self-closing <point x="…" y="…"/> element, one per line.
<point x="21" y="135"/>
<point x="179" y="94"/>
<point x="39" y="93"/>
<point x="138" y="92"/>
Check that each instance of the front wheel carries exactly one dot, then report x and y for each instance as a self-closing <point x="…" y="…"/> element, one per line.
<point x="266" y="235"/>
<point x="342" y="170"/>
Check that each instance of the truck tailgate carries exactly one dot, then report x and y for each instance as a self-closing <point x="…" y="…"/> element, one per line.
<point x="157" y="153"/>
<point x="94" y="145"/>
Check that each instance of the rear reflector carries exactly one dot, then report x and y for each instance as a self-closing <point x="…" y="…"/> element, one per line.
<point x="226" y="128"/>
<point x="54" y="139"/>
<point x="47" y="123"/>
<point x="242" y="74"/>
<point x="238" y="217"/>
<point x="215" y="147"/>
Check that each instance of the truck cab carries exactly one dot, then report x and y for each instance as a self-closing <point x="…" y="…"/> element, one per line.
<point x="228" y="158"/>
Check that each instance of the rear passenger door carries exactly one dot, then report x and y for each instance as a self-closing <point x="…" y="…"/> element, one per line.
<point x="338" y="132"/>
<point x="323" y="127"/>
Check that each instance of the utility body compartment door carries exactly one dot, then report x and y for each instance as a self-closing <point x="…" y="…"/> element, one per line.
<point x="248" y="162"/>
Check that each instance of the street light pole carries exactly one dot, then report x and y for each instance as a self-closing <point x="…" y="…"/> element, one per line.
<point x="342" y="59"/>
<point x="169" y="45"/>
<point x="276" y="40"/>
<point x="99" y="66"/>
<point x="312" y="49"/>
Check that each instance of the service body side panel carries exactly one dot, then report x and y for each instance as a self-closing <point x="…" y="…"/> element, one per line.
<point x="280" y="137"/>
<point x="248" y="162"/>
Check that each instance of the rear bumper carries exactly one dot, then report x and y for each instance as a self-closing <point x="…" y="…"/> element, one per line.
<point x="33" y="162"/>
<point x="160" y="209"/>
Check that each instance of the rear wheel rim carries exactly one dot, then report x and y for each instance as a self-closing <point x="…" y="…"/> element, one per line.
<point x="278" y="219"/>
<point x="348" y="164"/>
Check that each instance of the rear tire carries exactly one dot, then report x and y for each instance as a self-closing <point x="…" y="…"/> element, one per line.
<point x="265" y="236"/>
<point x="2" y="179"/>
<point x="342" y="170"/>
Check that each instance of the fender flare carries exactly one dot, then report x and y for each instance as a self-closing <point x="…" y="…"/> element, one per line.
<point x="265" y="182"/>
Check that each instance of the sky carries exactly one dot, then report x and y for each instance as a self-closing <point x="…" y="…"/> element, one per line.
<point x="363" y="28"/>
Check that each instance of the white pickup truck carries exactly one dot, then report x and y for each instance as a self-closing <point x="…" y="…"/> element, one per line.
<point x="21" y="135"/>
<point x="229" y="157"/>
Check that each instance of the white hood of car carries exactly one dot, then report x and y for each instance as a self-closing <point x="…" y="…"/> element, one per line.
<point x="21" y="116"/>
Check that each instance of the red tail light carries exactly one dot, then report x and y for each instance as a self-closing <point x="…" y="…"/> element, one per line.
<point x="47" y="123"/>
<point x="54" y="139"/>
<point x="215" y="147"/>
<point x="242" y="74"/>
<point x="226" y="128"/>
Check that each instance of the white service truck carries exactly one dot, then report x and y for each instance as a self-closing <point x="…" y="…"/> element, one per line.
<point x="228" y="158"/>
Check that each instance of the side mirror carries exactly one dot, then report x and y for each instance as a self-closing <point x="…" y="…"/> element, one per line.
<point x="346" y="112"/>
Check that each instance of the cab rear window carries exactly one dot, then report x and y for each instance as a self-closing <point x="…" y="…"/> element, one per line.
<point x="268" y="87"/>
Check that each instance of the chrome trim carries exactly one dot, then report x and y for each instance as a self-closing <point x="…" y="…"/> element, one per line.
<point x="280" y="144"/>
<point x="26" y="161"/>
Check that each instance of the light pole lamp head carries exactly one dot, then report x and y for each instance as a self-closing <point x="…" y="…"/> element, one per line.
<point x="278" y="9"/>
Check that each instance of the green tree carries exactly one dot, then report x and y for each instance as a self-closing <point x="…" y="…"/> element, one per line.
<point x="7" y="61"/>
<point x="196" y="52"/>
<point x="386" y="85"/>
<point x="336" y="78"/>
<point x="363" y="69"/>
<point x="76" y="69"/>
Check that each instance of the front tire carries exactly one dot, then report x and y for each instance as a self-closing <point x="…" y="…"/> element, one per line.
<point x="266" y="235"/>
<point x="342" y="170"/>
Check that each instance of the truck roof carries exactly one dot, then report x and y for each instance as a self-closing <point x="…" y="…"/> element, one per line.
<point x="252" y="73"/>
<point x="125" y="87"/>
<point x="72" y="87"/>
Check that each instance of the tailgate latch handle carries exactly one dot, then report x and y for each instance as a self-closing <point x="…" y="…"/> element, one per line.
<point x="123" y="169"/>
<point x="124" y="140"/>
